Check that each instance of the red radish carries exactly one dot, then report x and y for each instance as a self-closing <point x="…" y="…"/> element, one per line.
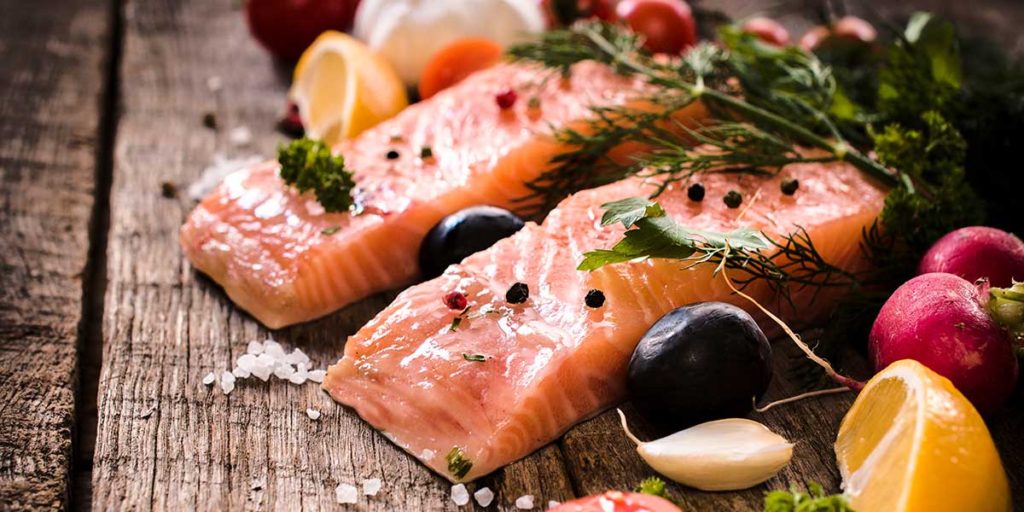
<point x="287" y="27"/>
<point x="617" y="501"/>
<point x="767" y="30"/>
<point x="667" y="25"/>
<point x="941" y="321"/>
<point x="977" y="252"/>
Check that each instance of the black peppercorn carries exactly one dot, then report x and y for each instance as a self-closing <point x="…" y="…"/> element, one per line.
<point x="392" y="155"/>
<point x="789" y="186"/>
<point x="733" y="199"/>
<point x="517" y="294"/>
<point x="594" y="299"/>
<point x="695" y="192"/>
<point x="426" y="152"/>
<point x="210" y="120"/>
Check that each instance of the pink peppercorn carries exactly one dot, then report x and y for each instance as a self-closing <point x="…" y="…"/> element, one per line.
<point x="506" y="99"/>
<point x="455" y="300"/>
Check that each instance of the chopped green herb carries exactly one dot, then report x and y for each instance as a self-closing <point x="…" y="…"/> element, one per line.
<point x="457" y="321"/>
<point x="479" y="358"/>
<point x="308" y="164"/>
<point x="653" y="486"/>
<point x="458" y="464"/>
<point x="330" y="230"/>
<point x="814" y="500"/>
<point x="533" y="102"/>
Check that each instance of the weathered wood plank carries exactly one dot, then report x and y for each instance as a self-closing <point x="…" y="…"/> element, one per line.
<point x="165" y="441"/>
<point x="51" y="84"/>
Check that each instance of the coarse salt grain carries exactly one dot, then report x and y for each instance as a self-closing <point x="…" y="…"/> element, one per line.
<point x="209" y="378"/>
<point x="524" y="502"/>
<point x="227" y="377"/>
<point x="460" y="495"/>
<point x="297" y="378"/>
<point x="317" y="375"/>
<point x="313" y="413"/>
<point x="240" y="136"/>
<point x="246" y="362"/>
<point x="553" y="504"/>
<point x="346" y="494"/>
<point x="214" y="83"/>
<point x="284" y="371"/>
<point x="297" y="357"/>
<point x="227" y="386"/>
<point x="254" y="347"/>
<point x="484" y="496"/>
<point x="274" y="350"/>
<point x="240" y="372"/>
<point x="371" y="486"/>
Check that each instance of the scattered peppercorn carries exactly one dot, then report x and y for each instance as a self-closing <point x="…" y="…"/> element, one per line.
<point x="168" y="190"/>
<point x="426" y="152"/>
<point x="392" y="155"/>
<point x="733" y="199"/>
<point x="517" y="294"/>
<point x="789" y="186"/>
<point x="455" y="300"/>
<point x="210" y="120"/>
<point x="594" y="299"/>
<point x="695" y="192"/>
<point x="533" y="102"/>
<point x="396" y="138"/>
<point x="506" y="99"/>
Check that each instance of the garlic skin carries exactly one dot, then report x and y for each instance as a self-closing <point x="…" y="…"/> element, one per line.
<point x="721" y="455"/>
<point x="408" y="32"/>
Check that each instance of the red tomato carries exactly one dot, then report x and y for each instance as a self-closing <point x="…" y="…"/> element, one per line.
<point x="767" y="30"/>
<point x="287" y="27"/>
<point x="618" y="501"/>
<point x="667" y="25"/>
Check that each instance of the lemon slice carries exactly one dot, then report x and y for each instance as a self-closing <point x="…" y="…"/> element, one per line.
<point x="342" y="88"/>
<point x="912" y="442"/>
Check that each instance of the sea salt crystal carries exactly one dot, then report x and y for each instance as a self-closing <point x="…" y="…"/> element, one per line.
<point x="254" y="347"/>
<point x="317" y="375"/>
<point x="246" y="362"/>
<point x="209" y="378"/>
<point x="524" y="502"/>
<point x="346" y="494"/>
<point x="240" y="136"/>
<point x="227" y="377"/>
<point x="460" y="495"/>
<point x="227" y="386"/>
<point x="484" y="496"/>
<point x="261" y="371"/>
<point x="298" y="378"/>
<point x="214" y="173"/>
<point x="313" y="414"/>
<point x="427" y="454"/>
<point x="296" y="357"/>
<point x="371" y="486"/>
<point x="284" y="371"/>
<point x="214" y="83"/>
<point x="274" y="350"/>
<point x="553" y="504"/>
<point x="240" y="372"/>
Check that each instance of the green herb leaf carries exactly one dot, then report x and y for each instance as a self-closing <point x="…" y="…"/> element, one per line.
<point x="330" y="230"/>
<point x="796" y="500"/>
<point x="479" y="358"/>
<point x="458" y="464"/>
<point x="628" y="211"/>
<point x="309" y="164"/>
<point x="653" y="486"/>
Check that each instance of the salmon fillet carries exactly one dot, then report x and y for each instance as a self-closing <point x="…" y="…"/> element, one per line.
<point x="552" y="361"/>
<point x="265" y="244"/>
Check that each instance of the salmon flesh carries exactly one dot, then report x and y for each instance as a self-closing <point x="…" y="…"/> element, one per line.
<point x="513" y="377"/>
<point x="279" y="256"/>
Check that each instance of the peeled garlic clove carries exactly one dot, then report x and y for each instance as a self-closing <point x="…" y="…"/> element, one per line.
<point x="722" y="455"/>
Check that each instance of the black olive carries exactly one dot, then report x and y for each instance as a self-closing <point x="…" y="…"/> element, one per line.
<point x="463" y="233"/>
<point x="733" y="199"/>
<point x="695" y="192"/>
<point x="517" y="293"/>
<point x="700" y="362"/>
<point x="789" y="186"/>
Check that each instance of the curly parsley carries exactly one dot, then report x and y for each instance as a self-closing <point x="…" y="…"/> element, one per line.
<point x="308" y="164"/>
<point x="814" y="500"/>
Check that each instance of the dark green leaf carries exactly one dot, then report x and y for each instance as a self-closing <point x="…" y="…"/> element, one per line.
<point x="308" y="165"/>
<point x="458" y="464"/>
<point x="477" y="358"/>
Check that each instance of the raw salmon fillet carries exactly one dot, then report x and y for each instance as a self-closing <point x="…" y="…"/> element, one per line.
<point x="552" y="361"/>
<point x="265" y="244"/>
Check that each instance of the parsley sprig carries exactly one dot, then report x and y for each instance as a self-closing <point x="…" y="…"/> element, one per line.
<point x="813" y="500"/>
<point x="308" y="164"/>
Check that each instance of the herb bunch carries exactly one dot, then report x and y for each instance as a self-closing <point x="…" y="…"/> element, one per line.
<point x="308" y="164"/>
<point x="813" y="500"/>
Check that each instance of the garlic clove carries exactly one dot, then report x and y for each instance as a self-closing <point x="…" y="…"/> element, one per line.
<point x="721" y="455"/>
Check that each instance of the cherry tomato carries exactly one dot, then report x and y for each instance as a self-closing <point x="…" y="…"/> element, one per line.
<point x="617" y="501"/>
<point x="667" y="25"/>
<point x="565" y="12"/>
<point x="767" y="30"/>
<point x="848" y="29"/>
<point x="287" y="27"/>
<point x="449" y="65"/>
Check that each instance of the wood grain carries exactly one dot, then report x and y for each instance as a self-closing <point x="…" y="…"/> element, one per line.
<point x="166" y="441"/>
<point x="51" y="83"/>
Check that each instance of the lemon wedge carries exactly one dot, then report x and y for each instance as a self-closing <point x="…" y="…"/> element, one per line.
<point x="912" y="442"/>
<point x="342" y="88"/>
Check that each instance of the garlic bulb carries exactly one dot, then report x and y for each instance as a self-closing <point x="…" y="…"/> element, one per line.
<point x="408" y="32"/>
<point x="722" y="455"/>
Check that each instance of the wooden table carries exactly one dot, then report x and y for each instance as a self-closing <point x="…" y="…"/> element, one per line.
<point x="101" y="108"/>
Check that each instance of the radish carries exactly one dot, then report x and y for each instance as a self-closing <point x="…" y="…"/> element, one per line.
<point x="977" y="252"/>
<point x="943" y="321"/>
